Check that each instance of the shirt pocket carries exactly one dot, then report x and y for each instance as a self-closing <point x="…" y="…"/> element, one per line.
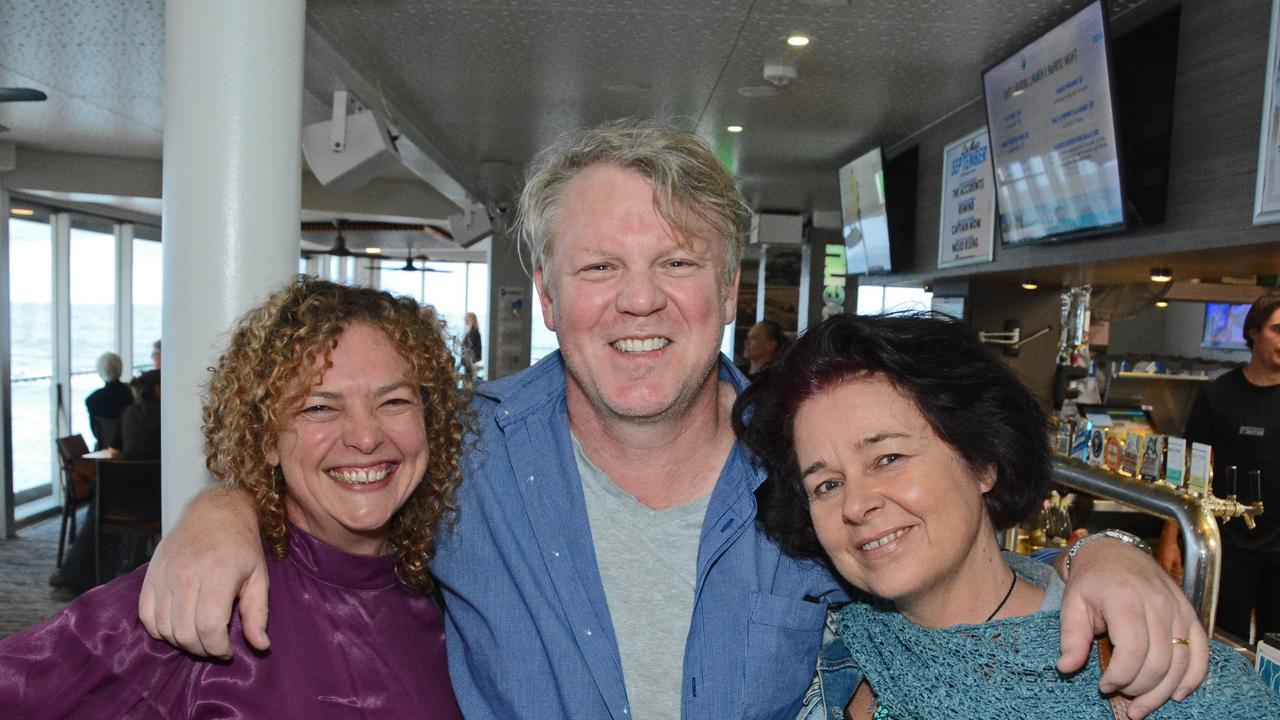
<point x="783" y="636"/>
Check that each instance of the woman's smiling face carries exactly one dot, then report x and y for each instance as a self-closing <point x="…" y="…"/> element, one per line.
<point x="894" y="506"/>
<point x="354" y="448"/>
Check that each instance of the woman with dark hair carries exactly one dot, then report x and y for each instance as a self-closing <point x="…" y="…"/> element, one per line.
<point x="336" y="409"/>
<point x="896" y="446"/>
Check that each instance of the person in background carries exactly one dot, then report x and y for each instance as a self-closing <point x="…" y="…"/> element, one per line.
<point x="155" y="355"/>
<point x="140" y="423"/>
<point x="606" y="562"/>
<point x="107" y="402"/>
<point x="138" y="438"/>
<point x="1239" y="415"/>
<point x="472" y="347"/>
<point x="764" y="340"/>
<point x="896" y="447"/>
<point x="348" y="442"/>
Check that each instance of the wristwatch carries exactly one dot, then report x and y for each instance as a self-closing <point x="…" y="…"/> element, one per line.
<point x="1122" y="536"/>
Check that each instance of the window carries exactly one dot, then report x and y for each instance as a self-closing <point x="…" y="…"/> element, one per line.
<point x="876" y="299"/>
<point x="148" y="289"/>
<point x="31" y="343"/>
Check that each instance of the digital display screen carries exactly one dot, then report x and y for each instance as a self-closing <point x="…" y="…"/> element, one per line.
<point x="1053" y="135"/>
<point x="1224" y="326"/>
<point x="865" y="223"/>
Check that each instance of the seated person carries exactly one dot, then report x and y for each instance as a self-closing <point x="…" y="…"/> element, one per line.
<point x="138" y="439"/>
<point x="107" y="402"/>
<point x="896" y="446"/>
<point x="336" y="409"/>
<point x="140" y="423"/>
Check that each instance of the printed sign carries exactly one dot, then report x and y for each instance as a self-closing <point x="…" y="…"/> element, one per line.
<point x="967" y="225"/>
<point x="1175" y="464"/>
<point x="1201" y="470"/>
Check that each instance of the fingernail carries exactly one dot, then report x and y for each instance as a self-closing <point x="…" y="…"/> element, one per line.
<point x="1180" y="694"/>
<point x="1106" y="688"/>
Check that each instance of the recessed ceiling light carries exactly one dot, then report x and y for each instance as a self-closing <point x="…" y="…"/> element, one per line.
<point x="1162" y="303"/>
<point x="1029" y="285"/>
<point x="1161" y="275"/>
<point x="24" y="212"/>
<point x="734" y="128"/>
<point x="758" y="91"/>
<point x="374" y="250"/>
<point x="626" y="87"/>
<point x="798" y="40"/>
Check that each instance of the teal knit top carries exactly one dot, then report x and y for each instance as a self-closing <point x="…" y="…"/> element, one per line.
<point x="1007" y="669"/>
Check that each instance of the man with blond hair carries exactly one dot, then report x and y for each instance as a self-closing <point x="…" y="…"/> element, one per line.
<point x="605" y="561"/>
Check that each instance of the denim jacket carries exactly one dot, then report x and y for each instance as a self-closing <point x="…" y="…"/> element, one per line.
<point x="529" y="631"/>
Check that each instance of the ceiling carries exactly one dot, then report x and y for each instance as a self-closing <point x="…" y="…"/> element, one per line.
<point x="480" y="85"/>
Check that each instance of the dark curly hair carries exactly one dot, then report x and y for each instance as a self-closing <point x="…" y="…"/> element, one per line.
<point x="269" y="366"/>
<point x="973" y="402"/>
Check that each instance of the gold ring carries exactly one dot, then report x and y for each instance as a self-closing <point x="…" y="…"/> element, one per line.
<point x="1180" y="641"/>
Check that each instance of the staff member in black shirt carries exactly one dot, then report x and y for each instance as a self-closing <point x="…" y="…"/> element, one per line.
<point x="1239" y="415"/>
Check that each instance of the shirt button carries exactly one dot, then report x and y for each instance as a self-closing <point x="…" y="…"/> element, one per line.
<point x="556" y="553"/>
<point x="588" y="632"/>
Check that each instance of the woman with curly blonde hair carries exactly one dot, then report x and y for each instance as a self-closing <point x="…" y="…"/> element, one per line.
<point x="337" y="410"/>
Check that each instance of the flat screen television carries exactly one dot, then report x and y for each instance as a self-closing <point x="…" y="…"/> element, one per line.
<point x="1224" y="326"/>
<point x="878" y="210"/>
<point x="865" y="220"/>
<point x="1054" y="142"/>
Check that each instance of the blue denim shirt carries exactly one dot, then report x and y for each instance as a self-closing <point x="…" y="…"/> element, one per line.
<point x="528" y="628"/>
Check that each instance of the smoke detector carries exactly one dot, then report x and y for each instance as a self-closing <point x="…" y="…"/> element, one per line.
<point x="780" y="74"/>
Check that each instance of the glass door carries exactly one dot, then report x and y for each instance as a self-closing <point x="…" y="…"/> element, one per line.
<point x="93" y="312"/>
<point x="32" y="352"/>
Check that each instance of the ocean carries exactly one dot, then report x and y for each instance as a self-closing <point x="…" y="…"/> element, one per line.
<point x="35" y="395"/>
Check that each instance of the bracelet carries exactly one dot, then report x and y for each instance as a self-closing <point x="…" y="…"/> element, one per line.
<point x="1122" y="536"/>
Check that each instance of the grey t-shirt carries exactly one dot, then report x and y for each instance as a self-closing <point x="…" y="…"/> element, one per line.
<point x="648" y="562"/>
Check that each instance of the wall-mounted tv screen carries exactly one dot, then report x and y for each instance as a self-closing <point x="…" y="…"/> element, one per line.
<point x="865" y="222"/>
<point x="1054" y="143"/>
<point x="1224" y="326"/>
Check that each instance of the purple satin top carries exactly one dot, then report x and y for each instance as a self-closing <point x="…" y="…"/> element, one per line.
<point x="347" y="642"/>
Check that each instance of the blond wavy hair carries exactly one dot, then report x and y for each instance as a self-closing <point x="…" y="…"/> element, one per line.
<point x="269" y="366"/>
<point x="691" y="187"/>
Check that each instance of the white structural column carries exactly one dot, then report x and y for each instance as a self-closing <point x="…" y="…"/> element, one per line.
<point x="232" y="186"/>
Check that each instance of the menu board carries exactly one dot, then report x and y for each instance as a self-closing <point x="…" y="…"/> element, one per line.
<point x="1053" y="135"/>
<point x="967" y="225"/>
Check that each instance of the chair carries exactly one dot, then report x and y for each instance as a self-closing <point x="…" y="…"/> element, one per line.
<point x="76" y="476"/>
<point x="127" y="502"/>
<point x="105" y="431"/>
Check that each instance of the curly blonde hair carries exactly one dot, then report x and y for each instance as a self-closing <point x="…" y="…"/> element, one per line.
<point x="269" y="366"/>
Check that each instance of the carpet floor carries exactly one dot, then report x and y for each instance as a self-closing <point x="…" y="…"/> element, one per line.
<point x="25" y="566"/>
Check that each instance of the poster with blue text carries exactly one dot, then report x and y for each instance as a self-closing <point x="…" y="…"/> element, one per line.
<point x="967" y="225"/>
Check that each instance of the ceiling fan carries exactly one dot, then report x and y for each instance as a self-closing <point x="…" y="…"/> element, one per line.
<point x="21" y="94"/>
<point x="339" y="247"/>
<point x="408" y="265"/>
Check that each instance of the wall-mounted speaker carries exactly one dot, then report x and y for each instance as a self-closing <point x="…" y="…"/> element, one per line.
<point x="343" y="162"/>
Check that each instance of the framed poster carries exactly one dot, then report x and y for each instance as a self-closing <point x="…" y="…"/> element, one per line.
<point x="1266" y="201"/>
<point x="966" y="232"/>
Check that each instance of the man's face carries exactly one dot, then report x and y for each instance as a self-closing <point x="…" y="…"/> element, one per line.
<point x="1266" y="344"/>
<point x="637" y="306"/>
